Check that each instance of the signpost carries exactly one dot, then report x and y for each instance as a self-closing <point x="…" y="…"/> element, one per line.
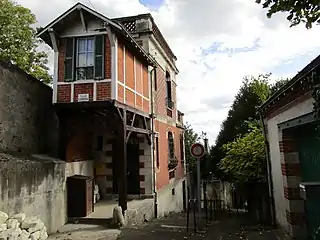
<point x="197" y="151"/>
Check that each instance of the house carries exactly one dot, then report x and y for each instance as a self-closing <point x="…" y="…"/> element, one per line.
<point x="114" y="91"/>
<point x="293" y="141"/>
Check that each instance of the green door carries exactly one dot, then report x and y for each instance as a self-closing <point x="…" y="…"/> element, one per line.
<point x="309" y="155"/>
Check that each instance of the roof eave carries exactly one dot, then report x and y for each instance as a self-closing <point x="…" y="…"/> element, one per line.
<point x="76" y="7"/>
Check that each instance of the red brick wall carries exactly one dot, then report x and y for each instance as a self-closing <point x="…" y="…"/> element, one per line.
<point x="163" y="174"/>
<point x="129" y="74"/>
<point x="107" y="59"/>
<point x="139" y="83"/>
<point x="129" y="97"/>
<point x="83" y="88"/>
<point x="120" y="62"/>
<point x="161" y="95"/>
<point x="103" y="89"/>
<point x="64" y="93"/>
<point x="62" y="49"/>
<point x="136" y="78"/>
<point x="79" y="148"/>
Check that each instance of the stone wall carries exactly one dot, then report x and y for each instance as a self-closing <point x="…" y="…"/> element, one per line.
<point x="33" y="185"/>
<point x="30" y="181"/>
<point x="170" y="198"/>
<point x="28" y="123"/>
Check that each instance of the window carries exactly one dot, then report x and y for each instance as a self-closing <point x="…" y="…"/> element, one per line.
<point x="181" y="147"/>
<point x="172" y="160"/>
<point x="169" y="91"/>
<point x="157" y="152"/>
<point x="85" y="61"/>
<point x="170" y="146"/>
<point x="84" y="58"/>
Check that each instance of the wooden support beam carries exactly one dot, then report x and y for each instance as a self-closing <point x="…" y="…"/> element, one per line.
<point x="83" y="21"/>
<point x="133" y="119"/>
<point x="53" y="40"/>
<point x="129" y="134"/>
<point x="122" y="160"/>
<point x="119" y="112"/>
<point x="138" y="130"/>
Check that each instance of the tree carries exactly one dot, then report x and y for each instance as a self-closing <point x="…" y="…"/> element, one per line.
<point x="18" y="41"/>
<point x="245" y="157"/>
<point x="253" y="92"/>
<point x="305" y="11"/>
<point x="190" y="137"/>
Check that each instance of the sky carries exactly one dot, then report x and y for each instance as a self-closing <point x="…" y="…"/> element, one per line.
<point x="217" y="43"/>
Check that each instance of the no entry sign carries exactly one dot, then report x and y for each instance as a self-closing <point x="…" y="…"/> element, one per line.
<point x="197" y="150"/>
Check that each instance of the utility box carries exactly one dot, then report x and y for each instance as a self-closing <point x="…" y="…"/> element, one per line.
<point x="80" y="196"/>
<point x="310" y="190"/>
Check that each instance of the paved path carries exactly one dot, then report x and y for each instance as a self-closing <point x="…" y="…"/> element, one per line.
<point x="171" y="228"/>
<point x="174" y="228"/>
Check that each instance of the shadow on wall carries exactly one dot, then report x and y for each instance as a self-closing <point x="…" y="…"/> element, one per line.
<point x="28" y="123"/>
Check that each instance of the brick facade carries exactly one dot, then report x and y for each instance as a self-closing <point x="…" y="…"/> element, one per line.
<point x="163" y="172"/>
<point x="290" y="167"/>
<point x="133" y="80"/>
<point x="65" y="91"/>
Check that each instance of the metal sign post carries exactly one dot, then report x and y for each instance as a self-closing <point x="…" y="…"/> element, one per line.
<point x="197" y="151"/>
<point x="198" y="185"/>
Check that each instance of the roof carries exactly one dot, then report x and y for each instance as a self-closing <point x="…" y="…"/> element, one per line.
<point x="155" y="30"/>
<point x="300" y="78"/>
<point x="116" y="27"/>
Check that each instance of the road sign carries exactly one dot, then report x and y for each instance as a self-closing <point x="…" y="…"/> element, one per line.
<point x="197" y="150"/>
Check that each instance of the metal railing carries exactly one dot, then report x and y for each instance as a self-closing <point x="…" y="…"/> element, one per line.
<point x="212" y="209"/>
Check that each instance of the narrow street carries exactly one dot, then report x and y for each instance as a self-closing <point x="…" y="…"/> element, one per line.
<point x="174" y="227"/>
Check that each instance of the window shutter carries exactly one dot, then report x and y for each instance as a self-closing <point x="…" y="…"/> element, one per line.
<point x="99" y="56"/>
<point x="69" y="60"/>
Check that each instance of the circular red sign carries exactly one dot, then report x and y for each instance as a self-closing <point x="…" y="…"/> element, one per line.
<point x="197" y="150"/>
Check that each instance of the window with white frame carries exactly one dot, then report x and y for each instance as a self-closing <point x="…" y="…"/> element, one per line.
<point x="85" y="58"/>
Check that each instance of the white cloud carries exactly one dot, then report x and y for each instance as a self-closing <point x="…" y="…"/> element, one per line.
<point x="191" y="26"/>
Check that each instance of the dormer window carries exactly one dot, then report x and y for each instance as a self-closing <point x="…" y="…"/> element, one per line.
<point x="84" y="58"/>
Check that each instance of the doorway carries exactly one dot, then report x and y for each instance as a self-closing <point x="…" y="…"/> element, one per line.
<point x="133" y="176"/>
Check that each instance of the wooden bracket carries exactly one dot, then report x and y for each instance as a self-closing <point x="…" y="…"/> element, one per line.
<point x="83" y="21"/>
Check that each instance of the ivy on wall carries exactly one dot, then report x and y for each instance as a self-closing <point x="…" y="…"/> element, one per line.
<point x="315" y="79"/>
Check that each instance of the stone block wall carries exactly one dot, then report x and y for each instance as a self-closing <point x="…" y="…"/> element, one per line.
<point x="145" y="163"/>
<point x="34" y="186"/>
<point x="28" y="123"/>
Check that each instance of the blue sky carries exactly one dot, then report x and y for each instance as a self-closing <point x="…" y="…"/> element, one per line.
<point x="152" y="4"/>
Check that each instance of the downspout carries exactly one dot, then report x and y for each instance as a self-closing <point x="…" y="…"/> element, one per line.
<point x="269" y="172"/>
<point x="155" y="198"/>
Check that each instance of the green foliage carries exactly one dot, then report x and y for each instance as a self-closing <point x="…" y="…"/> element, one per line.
<point x="253" y="92"/>
<point x="245" y="156"/>
<point x="190" y="137"/>
<point x="18" y="42"/>
<point x="300" y="11"/>
<point x="243" y="112"/>
<point x="315" y="80"/>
